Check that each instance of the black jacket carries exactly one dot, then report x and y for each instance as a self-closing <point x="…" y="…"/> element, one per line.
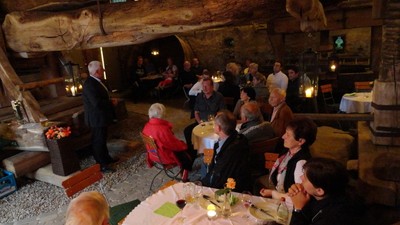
<point x="329" y="211"/>
<point x="231" y="162"/>
<point x="303" y="154"/>
<point x="99" y="111"/>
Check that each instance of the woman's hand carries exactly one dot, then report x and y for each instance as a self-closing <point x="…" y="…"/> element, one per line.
<point x="266" y="192"/>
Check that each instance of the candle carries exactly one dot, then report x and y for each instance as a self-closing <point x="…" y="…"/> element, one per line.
<point x="309" y="92"/>
<point x="73" y="90"/>
<point x="211" y="214"/>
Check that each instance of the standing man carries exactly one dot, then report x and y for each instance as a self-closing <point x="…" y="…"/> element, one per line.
<point x="277" y="79"/>
<point x="99" y="113"/>
<point x="231" y="155"/>
<point x="208" y="102"/>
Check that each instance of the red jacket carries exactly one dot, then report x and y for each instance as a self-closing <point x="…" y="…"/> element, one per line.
<point x="161" y="131"/>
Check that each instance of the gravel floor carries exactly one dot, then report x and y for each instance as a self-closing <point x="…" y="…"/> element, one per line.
<point x="35" y="197"/>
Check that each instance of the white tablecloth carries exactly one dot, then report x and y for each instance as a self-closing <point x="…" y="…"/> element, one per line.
<point x="203" y="137"/>
<point x="356" y="102"/>
<point x="144" y="214"/>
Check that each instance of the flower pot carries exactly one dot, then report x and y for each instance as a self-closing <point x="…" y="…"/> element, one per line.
<point x="64" y="160"/>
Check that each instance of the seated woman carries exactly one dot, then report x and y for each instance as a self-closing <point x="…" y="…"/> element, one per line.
<point x="260" y="86"/>
<point x="170" y="148"/>
<point x="247" y="94"/>
<point x="288" y="168"/>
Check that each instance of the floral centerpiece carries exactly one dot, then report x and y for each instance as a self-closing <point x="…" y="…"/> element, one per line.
<point x="229" y="186"/>
<point x="55" y="132"/>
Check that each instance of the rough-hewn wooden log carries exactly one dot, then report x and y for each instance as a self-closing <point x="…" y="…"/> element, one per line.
<point x="10" y="79"/>
<point x="125" y="23"/>
<point x="26" y="162"/>
<point x="42" y="83"/>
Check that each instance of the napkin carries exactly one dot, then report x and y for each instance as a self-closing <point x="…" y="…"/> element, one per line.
<point x="168" y="209"/>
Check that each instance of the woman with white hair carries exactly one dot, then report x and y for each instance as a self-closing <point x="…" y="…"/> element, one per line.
<point x="170" y="148"/>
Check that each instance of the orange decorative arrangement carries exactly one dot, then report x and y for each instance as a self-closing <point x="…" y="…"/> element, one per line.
<point x="56" y="132"/>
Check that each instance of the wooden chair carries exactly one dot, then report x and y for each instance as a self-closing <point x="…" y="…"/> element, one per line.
<point x="169" y="169"/>
<point x="329" y="102"/>
<point x="230" y="103"/>
<point x="82" y="180"/>
<point x="270" y="159"/>
<point x="363" y="86"/>
<point x="257" y="151"/>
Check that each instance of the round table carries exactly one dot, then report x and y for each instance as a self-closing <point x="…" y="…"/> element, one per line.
<point x="203" y="137"/>
<point x="356" y="102"/>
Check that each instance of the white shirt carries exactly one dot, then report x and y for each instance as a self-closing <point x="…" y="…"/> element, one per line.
<point x="278" y="80"/>
<point x="198" y="88"/>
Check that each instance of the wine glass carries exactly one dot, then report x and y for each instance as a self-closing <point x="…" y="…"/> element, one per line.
<point x="181" y="203"/>
<point x="246" y="201"/>
<point x="210" y="118"/>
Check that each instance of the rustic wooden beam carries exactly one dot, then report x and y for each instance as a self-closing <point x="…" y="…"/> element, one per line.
<point x="337" y="19"/>
<point x="125" y="23"/>
<point x="42" y="83"/>
<point x="378" y="7"/>
<point x="26" y="162"/>
<point x="336" y="116"/>
<point x="10" y="79"/>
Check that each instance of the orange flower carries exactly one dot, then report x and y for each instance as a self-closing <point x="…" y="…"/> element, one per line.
<point x="231" y="183"/>
<point x="55" y="132"/>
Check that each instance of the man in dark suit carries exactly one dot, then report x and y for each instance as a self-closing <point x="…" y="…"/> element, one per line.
<point x="231" y="155"/>
<point x="99" y="113"/>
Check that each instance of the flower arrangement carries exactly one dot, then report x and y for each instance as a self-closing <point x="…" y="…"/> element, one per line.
<point x="55" y="132"/>
<point x="229" y="186"/>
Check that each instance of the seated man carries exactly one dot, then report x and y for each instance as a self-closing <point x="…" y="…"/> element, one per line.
<point x="89" y="208"/>
<point x="321" y="198"/>
<point x="209" y="102"/>
<point x="281" y="114"/>
<point x="231" y="155"/>
<point x="171" y="149"/>
<point x="254" y="128"/>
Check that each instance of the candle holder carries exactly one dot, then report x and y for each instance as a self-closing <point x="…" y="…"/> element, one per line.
<point x="211" y="212"/>
<point x="73" y="83"/>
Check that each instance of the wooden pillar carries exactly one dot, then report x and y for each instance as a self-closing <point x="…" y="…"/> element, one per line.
<point x="386" y="97"/>
<point x="376" y="48"/>
<point x="10" y="80"/>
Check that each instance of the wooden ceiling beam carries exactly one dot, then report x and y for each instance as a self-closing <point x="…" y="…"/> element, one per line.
<point x="338" y="19"/>
<point x="125" y="23"/>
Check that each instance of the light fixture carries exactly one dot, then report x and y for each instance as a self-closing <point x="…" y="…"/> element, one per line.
<point x="102" y="62"/>
<point x="72" y="79"/>
<point x="333" y="62"/>
<point x="155" y="52"/>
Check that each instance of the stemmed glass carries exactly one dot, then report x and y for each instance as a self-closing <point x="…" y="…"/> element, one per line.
<point x="181" y="203"/>
<point x="246" y="201"/>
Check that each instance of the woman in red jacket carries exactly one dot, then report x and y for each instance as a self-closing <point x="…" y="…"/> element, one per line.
<point x="170" y="148"/>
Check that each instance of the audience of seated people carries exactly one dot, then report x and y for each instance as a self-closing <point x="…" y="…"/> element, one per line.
<point x="208" y="102"/>
<point x="170" y="148"/>
<point x="281" y="114"/>
<point x="89" y="208"/>
<point x="229" y="88"/>
<point x="254" y="128"/>
<point x="197" y="88"/>
<point x="320" y="198"/>
<point x="187" y="77"/>
<point x="277" y="79"/>
<point x="196" y="67"/>
<point x="235" y="69"/>
<point x="170" y="74"/>
<point x="288" y="168"/>
<point x="260" y="86"/>
<point x="247" y="94"/>
<point x="231" y="154"/>
<point x="293" y="93"/>
<point x="247" y="65"/>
